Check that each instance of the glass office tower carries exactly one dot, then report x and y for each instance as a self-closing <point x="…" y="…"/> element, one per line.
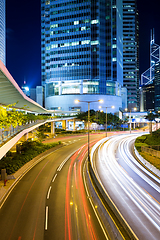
<point x="2" y="32"/>
<point x="81" y="52"/>
<point x="131" y="52"/>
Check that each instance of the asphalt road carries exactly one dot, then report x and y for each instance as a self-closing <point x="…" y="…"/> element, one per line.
<point x="50" y="202"/>
<point x="133" y="189"/>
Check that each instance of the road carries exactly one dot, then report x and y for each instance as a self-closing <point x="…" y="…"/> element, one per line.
<point x="133" y="189"/>
<point x="50" y="201"/>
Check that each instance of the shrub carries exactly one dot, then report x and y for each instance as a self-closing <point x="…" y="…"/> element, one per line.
<point x="30" y="149"/>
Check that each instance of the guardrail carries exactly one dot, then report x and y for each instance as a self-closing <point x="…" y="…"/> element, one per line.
<point x="151" y="151"/>
<point x="7" y="134"/>
<point x="146" y="163"/>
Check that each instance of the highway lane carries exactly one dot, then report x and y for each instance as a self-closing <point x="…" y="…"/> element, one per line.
<point x="25" y="214"/>
<point x="70" y="215"/>
<point x="137" y="206"/>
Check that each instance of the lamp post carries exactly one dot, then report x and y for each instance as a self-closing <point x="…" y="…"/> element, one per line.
<point x="77" y="101"/>
<point x="106" y="116"/>
<point x="130" y="118"/>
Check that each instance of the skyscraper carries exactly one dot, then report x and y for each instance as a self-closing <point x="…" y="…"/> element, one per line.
<point x="150" y="79"/>
<point x="131" y="52"/>
<point x="2" y="32"/>
<point x="81" y="52"/>
<point x="157" y="87"/>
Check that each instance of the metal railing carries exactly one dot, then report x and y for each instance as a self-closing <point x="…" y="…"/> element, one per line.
<point x="6" y="134"/>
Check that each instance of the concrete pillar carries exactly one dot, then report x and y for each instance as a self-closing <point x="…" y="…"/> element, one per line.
<point x="64" y="124"/>
<point x="74" y="125"/>
<point x="25" y="137"/>
<point x="52" y="128"/>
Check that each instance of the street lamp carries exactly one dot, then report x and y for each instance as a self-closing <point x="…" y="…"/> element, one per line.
<point x="106" y="116"/>
<point x="130" y="118"/>
<point x="77" y="101"/>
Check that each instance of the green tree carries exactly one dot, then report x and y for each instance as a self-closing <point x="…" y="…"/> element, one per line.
<point x="151" y="117"/>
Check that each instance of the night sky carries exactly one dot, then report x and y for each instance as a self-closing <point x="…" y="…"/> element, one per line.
<point x="23" y="48"/>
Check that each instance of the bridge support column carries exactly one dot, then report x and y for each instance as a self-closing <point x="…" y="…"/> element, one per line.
<point x="64" y="124"/>
<point x="52" y="128"/>
<point x="74" y="125"/>
<point x="25" y="137"/>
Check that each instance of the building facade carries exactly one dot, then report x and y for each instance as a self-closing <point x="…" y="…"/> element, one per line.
<point x="131" y="52"/>
<point x="2" y="32"/>
<point x="150" y="80"/>
<point x="157" y="87"/>
<point x="82" y="52"/>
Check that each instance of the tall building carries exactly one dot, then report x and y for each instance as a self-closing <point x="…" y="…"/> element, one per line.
<point x="150" y="79"/>
<point x="82" y="52"/>
<point x="131" y="52"/>
<point x="157" y="87"/>
<point x="2" y="32"/>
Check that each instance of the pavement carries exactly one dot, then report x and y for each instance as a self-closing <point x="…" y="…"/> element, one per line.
<point x="12" y="180"/>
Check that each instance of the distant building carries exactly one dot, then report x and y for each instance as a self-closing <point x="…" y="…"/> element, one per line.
<point x="131" y="52"/>
<point x="82" y="53"/>
<point x="33" y="94"/>
<point x="150" y="80"/>
<point x="2" y="32"/>
<point x="157" y="87"/>
<point x="37" y="94"/>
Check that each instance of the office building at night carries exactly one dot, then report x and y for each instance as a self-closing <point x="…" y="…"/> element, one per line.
<point x="157" y="87"/>
<point x="2" y="32"/>
<point x="131" y="52"/>
<point x="82" y="53"/>
<point x="150" y="80"/>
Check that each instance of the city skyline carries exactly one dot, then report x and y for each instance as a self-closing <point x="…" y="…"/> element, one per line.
<point x="23" y="38"/>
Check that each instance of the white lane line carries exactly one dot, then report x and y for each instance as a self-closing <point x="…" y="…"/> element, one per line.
<point x="49" y="192"/>
<point x="64" y="161"/>
<point x="93" y="207"/>
<point x="46" y="224"/>
<point x="54" y="177"/>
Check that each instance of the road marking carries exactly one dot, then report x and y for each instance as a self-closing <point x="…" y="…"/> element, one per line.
<point x="54" y="178"/>
<point x="46" y="224"/>
<point x="93" y="207"/>
<point x="49" y="192"/>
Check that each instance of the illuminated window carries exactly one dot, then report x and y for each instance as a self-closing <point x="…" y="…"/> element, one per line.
<point x="54" y="46"/>
<point x="83" y="28"/>
<point x="47" y="2"/>
<point x="95" y="42"/>
<point x="114" y="59"/>
<point x="74" y="43"/>
<point x="76" y="22"/>
<point x="54" y="26"/>
<point x="94" y="21"/>
<point x="85" y="42"/>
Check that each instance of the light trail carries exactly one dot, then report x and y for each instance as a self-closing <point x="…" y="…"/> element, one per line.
<point x="107" y="169"/>
<point x="76" y="196"/>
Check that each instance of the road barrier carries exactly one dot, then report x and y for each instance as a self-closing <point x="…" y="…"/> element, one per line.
<point x="151" y="151"/>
